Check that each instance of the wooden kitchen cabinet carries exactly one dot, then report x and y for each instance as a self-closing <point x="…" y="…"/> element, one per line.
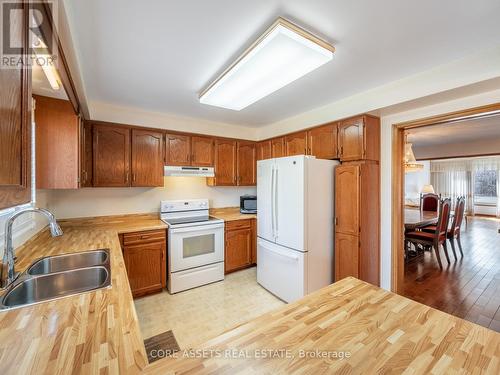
<point x="263" y="150"/>
<point x="86" y="155"/>
<point x="296" y="144"/>
<point x="178" y="150"/>
<point x="147" y="158"/>
<point x="225" y="163"/>
<point x="57" y="143"/>
<point x="246" y="164"/>
<point x="322" y="141"/>
<point x="278" y="147"/>
<point x="239" y="245"/>
<point x="346" y="256"/>
<point x="144" y="254"/>
<point x="111" y="156"/>
<point x="15" y="122"/>
<point x="357" y="221"/>
<point x="359" y="138"/>
<point x="202" y="151"/>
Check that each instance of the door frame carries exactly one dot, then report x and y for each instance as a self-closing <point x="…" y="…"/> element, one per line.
<point x="398" y="178"/>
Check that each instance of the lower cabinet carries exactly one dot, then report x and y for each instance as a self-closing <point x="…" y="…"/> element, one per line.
<point x="240" y="244"/>
<point x="145" y="260"/>
<point x="346" y="256"/>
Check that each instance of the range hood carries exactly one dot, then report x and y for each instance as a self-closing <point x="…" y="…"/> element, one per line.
<point x="189" y="171"/>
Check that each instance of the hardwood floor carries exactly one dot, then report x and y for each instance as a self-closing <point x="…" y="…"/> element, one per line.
<point x="468" y="287"/>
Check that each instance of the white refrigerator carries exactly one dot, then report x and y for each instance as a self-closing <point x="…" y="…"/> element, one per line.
<point x="295" y="221"/>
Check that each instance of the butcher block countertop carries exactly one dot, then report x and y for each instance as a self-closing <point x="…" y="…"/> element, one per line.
<point x="350" y="327"/>
<point x="90" y="333"/>
<point x="372" y="330"/>
<point x="230" y="214"/>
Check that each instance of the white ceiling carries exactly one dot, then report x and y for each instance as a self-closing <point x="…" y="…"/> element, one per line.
<point x="159" y="54"/>
<point x="467" y="131"/>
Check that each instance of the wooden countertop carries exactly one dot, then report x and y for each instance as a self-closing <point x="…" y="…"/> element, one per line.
<point x="375" y="331"/>
<point x="95" y="332"/>
<point x="230" y="214"/>
<point x="98" y="332"/>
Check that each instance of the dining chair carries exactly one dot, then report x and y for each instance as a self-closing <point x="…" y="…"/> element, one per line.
<point x="438" y="237"/>
<point x="455" y="229"/>
<point x="429" y="202"/>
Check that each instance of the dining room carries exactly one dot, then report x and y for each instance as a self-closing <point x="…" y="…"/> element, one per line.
<point x="451" y="214"/>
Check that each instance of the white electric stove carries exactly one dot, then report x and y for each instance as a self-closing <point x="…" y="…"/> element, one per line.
<point x="195" y="244"/>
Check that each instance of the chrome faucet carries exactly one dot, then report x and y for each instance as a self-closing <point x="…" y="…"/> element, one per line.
<point x="7" y="272"/>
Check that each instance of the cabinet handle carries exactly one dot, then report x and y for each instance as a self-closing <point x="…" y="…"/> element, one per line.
<point x="126" y="177"/>
<point x="134" y="177"/>
<point x="336" y="221"/>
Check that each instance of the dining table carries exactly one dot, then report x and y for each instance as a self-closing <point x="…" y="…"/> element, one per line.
<point x="416" y="218"/>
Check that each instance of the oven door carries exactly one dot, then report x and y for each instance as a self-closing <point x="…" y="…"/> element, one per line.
<point x="197" y="246"/>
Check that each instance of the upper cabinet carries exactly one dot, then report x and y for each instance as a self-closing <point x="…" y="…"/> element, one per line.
<point x="178" y="150"/>
<point x="111" y="156"/>
<point x="278" y="147"/>
<point x="246" y="163"/>
<point x="235" y="163"/>
<point x="57" y="139"/>
<point x="359" y="138"/>
<point x="86" y="156"/>
<point x="322" y="141"/>
<point x="186" y="150"/>
<point x="296" y="144"/>
<point x="147" y="158"/>
<point x="263" y="150"/>
<point x="202" y="151"/>
<point x="225" y="163"/>
<point x="15" y="125"/>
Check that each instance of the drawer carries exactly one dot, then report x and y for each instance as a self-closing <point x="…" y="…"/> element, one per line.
<point x="136" y="238"/>
<point x="238" y="224"/>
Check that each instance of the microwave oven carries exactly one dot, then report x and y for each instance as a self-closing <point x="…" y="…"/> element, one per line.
<point x="248" y="204"/>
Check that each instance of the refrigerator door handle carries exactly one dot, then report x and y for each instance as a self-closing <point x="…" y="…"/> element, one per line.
<point x="280" y="253"/>
<point x="272" y="200"/>
<point x="275" y="209"/>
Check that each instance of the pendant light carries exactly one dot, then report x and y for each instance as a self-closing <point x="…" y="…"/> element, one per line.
<point x="411" y="164"/>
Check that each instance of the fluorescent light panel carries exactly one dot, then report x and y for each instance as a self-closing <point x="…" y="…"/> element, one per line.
<point x="281" y="55"/>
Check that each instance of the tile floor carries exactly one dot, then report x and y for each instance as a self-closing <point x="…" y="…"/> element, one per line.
<point x="199" y="314"/>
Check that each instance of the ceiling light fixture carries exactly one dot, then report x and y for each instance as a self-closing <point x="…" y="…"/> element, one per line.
<point x="411" y="164"/>
<point x="46" y="62"/>
<point x="284" y="53"/>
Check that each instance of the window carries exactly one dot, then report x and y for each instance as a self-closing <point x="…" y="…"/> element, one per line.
<point x="485" y="187"/>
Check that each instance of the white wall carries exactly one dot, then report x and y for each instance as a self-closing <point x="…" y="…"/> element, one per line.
<point x="115" y="201"/>
<point x="415" y="181"/>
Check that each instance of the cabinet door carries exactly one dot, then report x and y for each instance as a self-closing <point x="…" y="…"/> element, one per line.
<point x="202" y="151"/>
<point x="111" y="156"/>
<point x="246" y="164"/>
<point x="264" y="150"/>
<point x="254" y="241"/>
<point x="352" y="140"/>
<point x="278" y="147"/>
<point x="86" y="155"/>
<point x="147" y="158"/>
<point x="225" y="162"/>
<point x="57" y="144"/>
<point x="346" y="256"/>
<point x="146" y="267"/>
<point x="296" y="144"/>
<point x="238" y="249"/>
<point x="322" y="141"/>
<point x="347" y="199"/>
<point x="178" y="150"/>
<point x="15" y="123"/>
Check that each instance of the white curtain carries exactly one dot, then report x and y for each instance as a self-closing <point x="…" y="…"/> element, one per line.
<point x="454" y="178"/>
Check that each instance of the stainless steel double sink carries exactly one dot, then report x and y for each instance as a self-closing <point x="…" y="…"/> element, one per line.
<point x="59" y="276"/>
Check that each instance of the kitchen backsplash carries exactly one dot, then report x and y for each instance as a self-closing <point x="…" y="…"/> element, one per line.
<point x="115" y="201"/>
